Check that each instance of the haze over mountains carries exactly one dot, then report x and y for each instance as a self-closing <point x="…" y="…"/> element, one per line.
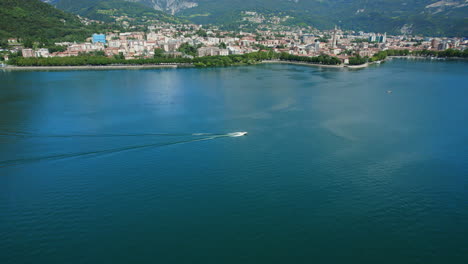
<point x="430" y="17"/>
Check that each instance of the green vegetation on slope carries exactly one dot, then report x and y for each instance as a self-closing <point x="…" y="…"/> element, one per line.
<point x="35" y="20"/>
<point x="413" y="16"/>
<point x="378" y="15"/>
<point x="108" y="10"/>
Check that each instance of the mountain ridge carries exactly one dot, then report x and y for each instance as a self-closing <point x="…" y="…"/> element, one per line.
<point x="170" y="6"/>
<point x="107" y="10"/>
<point x="427" y="17"/>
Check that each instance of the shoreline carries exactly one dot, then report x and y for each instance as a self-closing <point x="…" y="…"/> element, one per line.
<point x="149" y="66"/>
<point x="427" y="58"/>
<point x="95" y="67"/>
<point x="362" y="66"/>
<point x="175" y="66"/>
<point x="302" y="63"/>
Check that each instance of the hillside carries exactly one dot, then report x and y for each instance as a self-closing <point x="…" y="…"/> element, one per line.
<point x="34" y="19"/>
<point x="428" y="17"/>
<point x="169" y="6"/>
<point x="109" y="10"/>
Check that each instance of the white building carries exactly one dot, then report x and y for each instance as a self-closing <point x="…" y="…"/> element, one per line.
<point x="212" y="51"/>
<point x="42" y="53"/>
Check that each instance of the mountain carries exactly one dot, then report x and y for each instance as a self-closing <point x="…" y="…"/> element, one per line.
<point x="34" y="19"/>
<point x="170" y="6"/>
<point x="429" y="17"/>
<point x="109" y="10"/>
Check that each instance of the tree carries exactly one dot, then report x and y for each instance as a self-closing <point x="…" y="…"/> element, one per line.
<point x="158" y="53"/>
<point x="358" y="60"/>
<point x="119" y="56"/>
<point x="3" y="43"/>
<point x="55" y="48"/>
<point x="381" y="55"/>
<point x="222" y="45"/>
<point x="202" y="33"/>
<point x="28" y="43"/>
<point x="324" y="39"/>
<point x="98" y="53"/>
<point x="188" y="49"/>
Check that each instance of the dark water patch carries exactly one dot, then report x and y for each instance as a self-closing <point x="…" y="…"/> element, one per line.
<point x="298" y="77"/>
<point x="310" y="84"/>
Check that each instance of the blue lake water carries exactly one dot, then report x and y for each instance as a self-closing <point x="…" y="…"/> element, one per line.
<point x="138" y="166"/>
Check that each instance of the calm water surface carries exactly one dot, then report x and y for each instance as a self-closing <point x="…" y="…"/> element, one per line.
<point x="137" y="166"/>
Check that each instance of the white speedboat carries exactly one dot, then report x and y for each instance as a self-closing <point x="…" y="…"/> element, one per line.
<point x="238" y="134"/>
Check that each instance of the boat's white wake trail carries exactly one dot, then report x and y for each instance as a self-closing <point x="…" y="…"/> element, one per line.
<point x="209" y="136"/>
<point x="104" y="135"/>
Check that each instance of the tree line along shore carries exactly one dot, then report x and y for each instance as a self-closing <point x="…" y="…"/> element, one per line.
<point x="216" y="61"/>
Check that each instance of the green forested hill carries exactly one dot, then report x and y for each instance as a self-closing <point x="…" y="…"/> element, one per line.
<point x="428" y="17"/>
<point x="106" y="10"/>
<point x="34" y="19"/>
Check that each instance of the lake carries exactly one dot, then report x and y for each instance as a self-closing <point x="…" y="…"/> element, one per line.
<point x="141" y="166"/>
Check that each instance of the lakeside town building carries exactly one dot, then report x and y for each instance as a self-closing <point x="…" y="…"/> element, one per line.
<point x="216" y="42"/>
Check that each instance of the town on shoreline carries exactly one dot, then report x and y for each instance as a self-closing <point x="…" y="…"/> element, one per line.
<point x="206" y="46"/>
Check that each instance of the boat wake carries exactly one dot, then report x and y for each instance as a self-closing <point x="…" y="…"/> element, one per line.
<point x="208" y="136"/>
<point x="40" y="135"/>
